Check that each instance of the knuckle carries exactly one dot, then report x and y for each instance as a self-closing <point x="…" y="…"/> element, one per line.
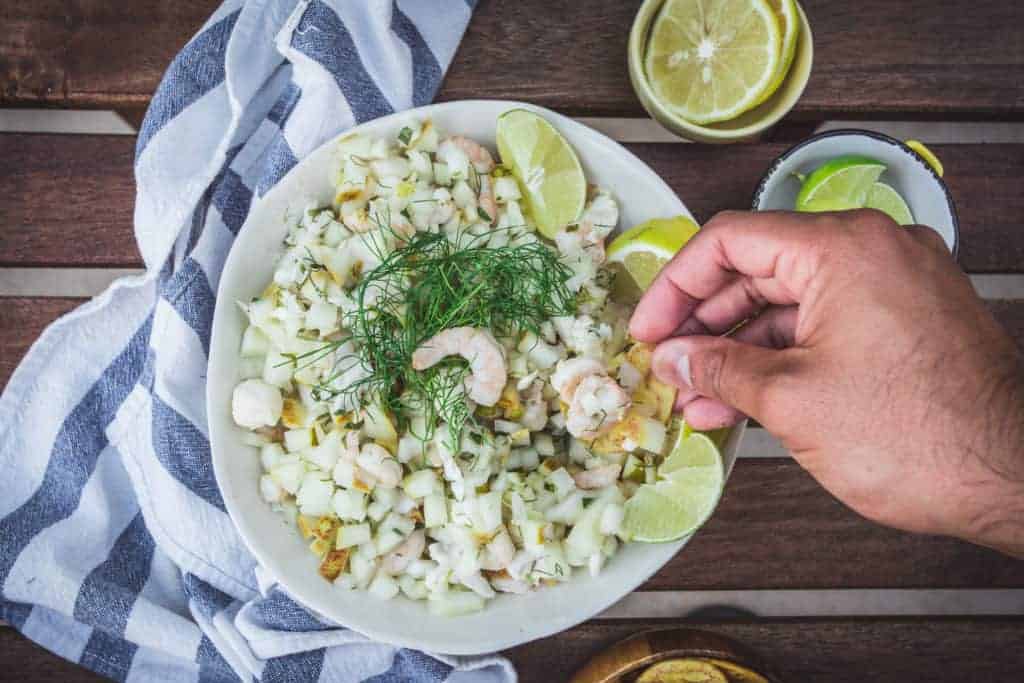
<point x="707" y="372"/>
<point x="927" y="237"/>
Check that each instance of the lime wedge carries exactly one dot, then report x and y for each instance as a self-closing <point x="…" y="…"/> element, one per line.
<point x="546" y="167"/>
<point x="691" y="484"/>
<point x="789" y="23"/>
<point x="888" y="200"/>
<point x="840" y="184"/>
<point x="639" y="254"/>
<point x="693" y="450"/>
<point x="715" y="59"/>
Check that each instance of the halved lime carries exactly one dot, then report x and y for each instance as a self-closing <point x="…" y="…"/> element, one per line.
<point x="692" y="479"/>
<point x="713" y="60"/>
<point x="884" y="198"/>
<point x="840" y="184"/>
<point x="639" y="254"/>
<point x="546" y="167"/>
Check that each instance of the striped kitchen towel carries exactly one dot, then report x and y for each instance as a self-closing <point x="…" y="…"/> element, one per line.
<point x="115" y="548"/>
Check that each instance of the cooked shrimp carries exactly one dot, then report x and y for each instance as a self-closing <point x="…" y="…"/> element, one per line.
<point x="487" y="368"/>
<point x="597" y="404"/>
<point x="569" y="373"/>
<point x="597" y="478"/>
<point x="485" y="200"/>
<point x="399" y="559"/>
<point x="477" y="154"/>
<point x="376" y="461"/>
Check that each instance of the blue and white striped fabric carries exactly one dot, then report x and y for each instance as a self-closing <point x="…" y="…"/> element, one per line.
<point x="115" y="548"/>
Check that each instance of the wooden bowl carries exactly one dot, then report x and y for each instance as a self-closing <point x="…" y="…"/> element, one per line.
<point x="627" y="659"/>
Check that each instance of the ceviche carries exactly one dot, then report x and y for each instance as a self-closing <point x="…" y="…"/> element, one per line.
<point x="443" y="390"/>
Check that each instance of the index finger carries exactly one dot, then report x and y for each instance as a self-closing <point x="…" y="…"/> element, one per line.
<point x="768" y="245"/>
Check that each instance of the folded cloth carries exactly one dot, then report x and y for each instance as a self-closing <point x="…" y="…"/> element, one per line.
<point x="116" y="551"/>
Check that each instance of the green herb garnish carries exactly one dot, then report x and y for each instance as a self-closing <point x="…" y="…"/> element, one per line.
<point x="435" y="282"/>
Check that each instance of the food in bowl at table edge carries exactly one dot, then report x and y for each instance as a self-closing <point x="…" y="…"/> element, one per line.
<point x="444" y="394"/>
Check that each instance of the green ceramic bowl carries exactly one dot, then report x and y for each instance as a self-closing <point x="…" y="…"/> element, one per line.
<point x="748" y="126"/>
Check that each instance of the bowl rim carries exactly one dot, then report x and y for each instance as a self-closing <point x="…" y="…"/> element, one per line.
<point x="880" y="137"/>
<point x="220" y="431"/>
<point x="638" y="35"/>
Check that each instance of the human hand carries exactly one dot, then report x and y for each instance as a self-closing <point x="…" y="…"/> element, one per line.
<point x="868" y="354"/>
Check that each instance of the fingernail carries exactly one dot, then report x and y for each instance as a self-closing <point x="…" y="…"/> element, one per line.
<point x="683" y="370"/>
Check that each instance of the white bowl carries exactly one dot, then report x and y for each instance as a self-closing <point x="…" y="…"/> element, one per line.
<point x="508" y="620"/>
<point x="910" y="175"/>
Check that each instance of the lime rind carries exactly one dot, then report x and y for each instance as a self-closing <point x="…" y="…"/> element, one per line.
<point x="840" y="184"/>
<point x="789" y="20"/>
<point x="886" y="199"/>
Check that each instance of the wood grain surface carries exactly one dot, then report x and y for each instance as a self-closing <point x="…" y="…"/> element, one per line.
<point x="67" y="200"/>
<point x="21" y="323"/>
<point x="963" y="58"/>
<point x="812" y="650"/>
<point x="815" y="541"/>
<point x="799" y="650"/>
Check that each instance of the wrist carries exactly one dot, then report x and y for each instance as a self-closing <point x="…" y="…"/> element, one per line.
<point x="994" y="515"/>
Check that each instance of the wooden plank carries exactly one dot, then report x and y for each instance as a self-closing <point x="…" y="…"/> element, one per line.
<point x="58" y="191"/>
<point x="838" y="651"/>
<point x="963" y="58"/>
<point x="981" y="178"/>
<point x="775" y="527"/>
<point x="21" y="323"/>
<point x="92" y="53"/>
<point x="67" y="200"/>
<point x="23" y="660"/>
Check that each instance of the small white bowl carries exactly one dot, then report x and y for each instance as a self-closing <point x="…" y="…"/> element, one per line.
<point x="508" y="620"/>
<point x="909" y="174"/>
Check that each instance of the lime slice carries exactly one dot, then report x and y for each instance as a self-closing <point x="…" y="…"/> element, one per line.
<point x="789" y="23"/>
<point x="639" y="254"/>
<point x="683" y="500"/>
<point x="546" y="167"/>
<point x="840" y="184"/>
<point x="715" y="59"/>
<point x="927" y="155"/>
<point x="884" y="198"/>
<point x="687" y="670"/>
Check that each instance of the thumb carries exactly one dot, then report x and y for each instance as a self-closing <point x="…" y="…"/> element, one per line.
<point x="737" y="374"/>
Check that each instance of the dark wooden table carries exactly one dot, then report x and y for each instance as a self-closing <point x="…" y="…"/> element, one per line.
<point x="66" y="201"/>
